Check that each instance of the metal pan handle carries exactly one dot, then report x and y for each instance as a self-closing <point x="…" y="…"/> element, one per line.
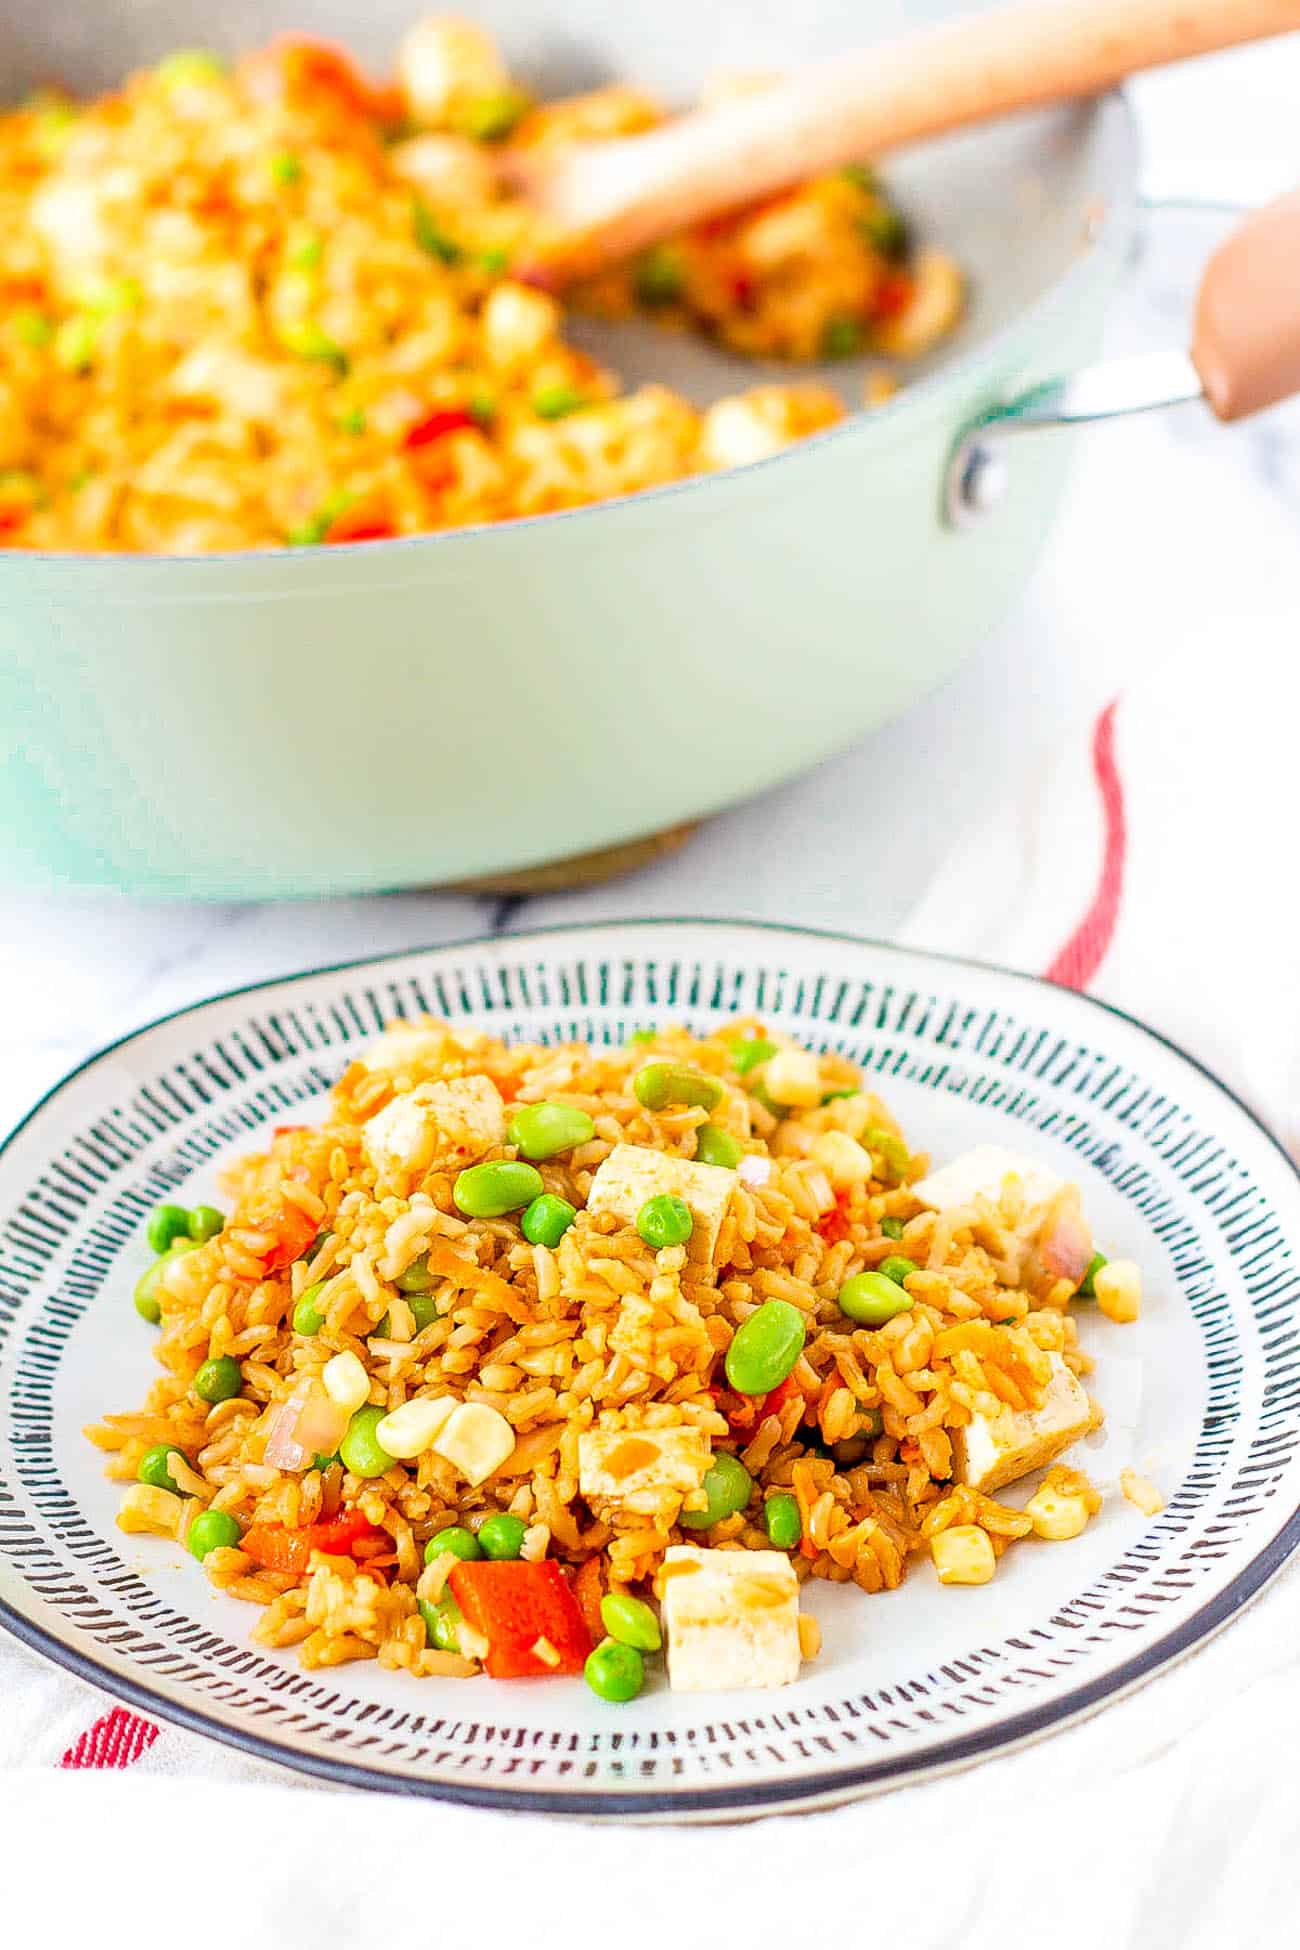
<point x="1244" y="356"/>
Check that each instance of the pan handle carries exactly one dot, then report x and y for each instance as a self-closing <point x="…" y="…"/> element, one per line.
<point x="1244" y="356"/>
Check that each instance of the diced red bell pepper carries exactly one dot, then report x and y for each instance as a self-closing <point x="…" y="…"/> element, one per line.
<point x="436" y="425"/>
<point x="355" y="525"/>
<point x="743" y="1413"/>
<point x="277" y="1549"/>
<point x="834" y="1225"/>
<point x="893" y="295"/>
<point x="514" y="1605"/>
<point x="264" y="1208"/>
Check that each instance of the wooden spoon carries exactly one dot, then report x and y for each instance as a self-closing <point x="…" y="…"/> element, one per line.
<point x="600" y="201"/>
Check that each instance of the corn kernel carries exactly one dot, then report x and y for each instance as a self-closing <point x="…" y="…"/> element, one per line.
<point x="1056" y="1515"/>
<point x="1118" y="1287"/>
<point x="1141" y="1492"/>
<point x="475" y="1439"/>
<point x="963" y="1555"/>
<point x="411" y="1429"/>
<point x="149" y="1512"/>
<point x="793" y="1076"/>
<point x="346" y="1382"/>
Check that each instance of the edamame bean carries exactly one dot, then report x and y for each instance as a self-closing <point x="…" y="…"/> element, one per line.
<point x="557" y="402"/>
<point x="212" y="1530"/>
<point x="660" y="276"/>
<point x="154" y="1466"/>
<point x="165" y="1223"/>
<point x="872" y="1299"/>
<point x="892" y="1228"/>
<point x="728" y="1486"/>
<point x="630" y="1621"/>
<point x="658" y="1085"/>
<point x="423" y="1307"/>
<point x="501" y="1185"/>
<point x="665" y="1220"/>
<point x="714" y="1146"/>
<point x="307" y="1316"/>
<point x="441" y="1623"/>
<point x="783" y="1522"/>
<point x="205" y="1223"/>
<point x="547" y="1220"/>
<point x="502" y="1536"/>
<point x="1086" y="1289"/>
<point x="897" y="1267"/>
<point x="842" y="338"/>
<point x="615" y="1672"/>
<point x="460" y="1542"/>
<point x="765" y="1348"/>
<point x="890" y="1149"/>
<point x="543" y="1130"/>
<point x="747" y="1056"/>
<point x="218" y="1380"/>
<point x="416" y="1279"/>
<point x="886" y="231"/>
<point x="361" y="1450"/>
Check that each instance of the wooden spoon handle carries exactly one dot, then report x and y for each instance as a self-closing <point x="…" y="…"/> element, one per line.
<point x="613" y="198"/>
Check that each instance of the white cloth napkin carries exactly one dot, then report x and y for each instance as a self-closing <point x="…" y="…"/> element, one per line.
<point x="1147" y="857"/>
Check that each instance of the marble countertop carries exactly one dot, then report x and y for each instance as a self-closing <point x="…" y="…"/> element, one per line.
<point x="1111" y="591"/>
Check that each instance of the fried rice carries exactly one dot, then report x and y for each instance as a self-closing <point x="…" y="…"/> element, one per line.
<point x="348" y="1247"/>
<point x="274" y="303"/>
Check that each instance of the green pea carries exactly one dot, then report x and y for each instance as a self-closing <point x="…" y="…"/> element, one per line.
<point x="218" y="1380"/>
<point x="615" y="1672"/>
<point x="660" y="1084"/>
<point x="165" y="1223"/>
<point x="660" y="276"/>
<point x="897" y="1267"/>
<point x="556" y="402"/>
<point x="643" y="1036"/>
<point x="783" y="1522"/>
<point x="892" y="1228"/>
<point x="460" y="1542"/>
<point x="32" y="327"/>
<point x="154" y="1466"/>
<point x="665" y="1220"/>
<point x="885" y="229"/>
<point x="489" y="1191"/>
<point x="502" y="1536"/>
<point x="307" y="1316"/>
<point x="630" y="1621"/>
<point x="205" y="1223"/>
<point x="212" y="1530"/>
<point x="441" y="1623"/>
<point x="146" y="1297"/>
<point x="286" y="168"/>
<point x="714" y="1146"/>
<point x="890" y="1149"/>
<point x="417" y="1278"/>
<point x="547" y="1219"/>
<point x="728" y="1486"/>
<point x="188" y="65"/>
<point x="1086" y="1288"/>
<point x="490" y="118"/>
<point x="842" y="338"/>
<point x="430" y="235"/>
<point x="424" y="1308"/>
<point x="542" y="1130"/>
<point x="748" y="1055"/>
<point x="765" y="1348"/>
<point x="871" y="1299"/>
<point x="361" y="1450"/>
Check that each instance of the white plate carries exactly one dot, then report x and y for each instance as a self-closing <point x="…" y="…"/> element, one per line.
<point x="1202" y="1394"/>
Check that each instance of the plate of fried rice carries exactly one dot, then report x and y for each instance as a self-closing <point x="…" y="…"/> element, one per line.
<point x="662" y="1370"/>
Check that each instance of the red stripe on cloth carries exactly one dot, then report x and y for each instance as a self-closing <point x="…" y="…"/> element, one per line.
<point x="1075" y="964"/>
<point x="116" y="1740"/>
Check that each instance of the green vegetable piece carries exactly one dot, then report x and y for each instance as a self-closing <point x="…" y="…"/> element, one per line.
<point x="885" y="229"/>
<point x="306" y="340"/>
<point x="218" y="1380"/>
<point x="430" y="235"/>
<point x="872" y="1299"/>
<point x="897" y="1267"/>
<point x="554" y="402"/>
<point x="834" y="1096"/>
<point x="460" y="1542"/>
<point x="643" y="1036"/>
<point x="417" y="1278"/>
<point x="189" y="65"/>
<point x="361" y="1450"/>
<point x="212" y="1530"/>
<point x="490" y="118"/>
<point x="32" y="327"/>
<point x="1086" y="1289"/>
<point x="728" y="1486"/>
<point x="286" y="168"/>
<point x="783" y="1522"/>
<point x="714" y="1146"/>
<point x="615" y="1672"/>
<point x="547" y="1219"/>
<point x="890" y="1150"/>
<point x="307" y="1316"/>
<point x="765" y="1348"/>
<point x="76" y="342"/>
<point x="304" y="249"/>
<point x="107" y="296"/>
<point x="165" y="1223"/>
<point x="544" y="1130"/>
<point x="501" y="1185"/>
<point x="892" y="1228"/>
<point x="482" y="406"/>
<point x="747" y="1056"/>
<point x="861" y="175"/>
<point x="441" y="1622"/>
<point x="762" y="1095"/>
<point x="842" y="338"/>
<point x="205" y="1223"/>
<point x="55" y="120"/>
<point x="353" y="420"/>
<point x="502" y="1536"/>
<point x="665" y="1220"/>
<point x="154" y="1466"/>
<point x="494" y="261"/>
<point x="660" y="1084"/>
<point x="146" y="1296"/>
<point x="424" y="1308"/>
<point x="660" y="276"/>
<point x="321" y="1461"/>
<point x="630" y="1621"/>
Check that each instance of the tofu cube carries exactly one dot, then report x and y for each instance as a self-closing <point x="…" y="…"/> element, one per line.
<point x="980" y="1173"/>
<point x="731" y="1619"/>
<point x="995" y="1450"/>
<point x="642" y="1470"/>
<point x="402" y="1137"/>
<point x="476" y="1440"/>
<point x="632" y="1173"/>
<point x="455" y="1120"/>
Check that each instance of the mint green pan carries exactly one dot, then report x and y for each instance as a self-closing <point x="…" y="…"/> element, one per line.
<point x="316" y="721"/>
